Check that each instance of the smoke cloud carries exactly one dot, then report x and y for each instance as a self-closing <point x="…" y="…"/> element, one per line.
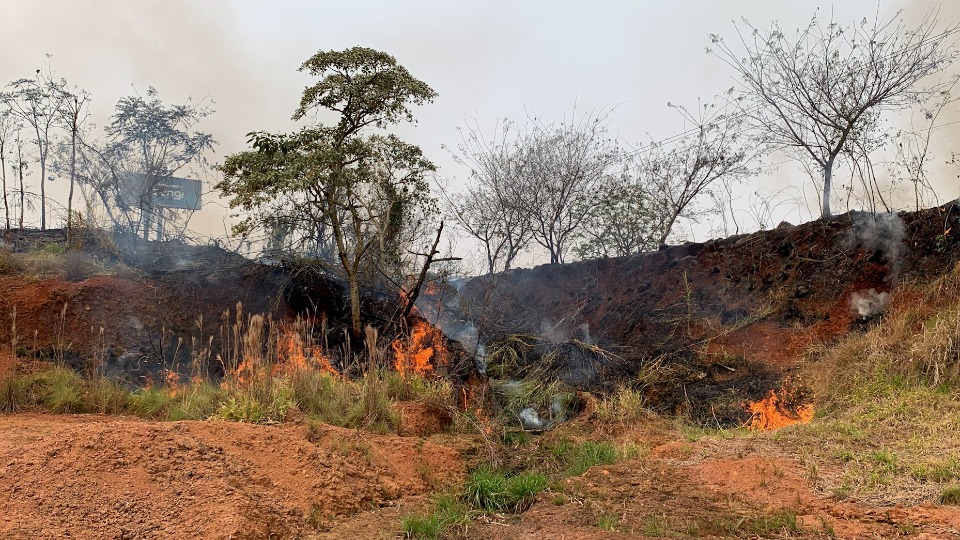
<point x="869" y="303"/>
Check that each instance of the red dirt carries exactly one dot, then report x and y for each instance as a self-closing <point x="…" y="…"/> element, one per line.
<point x="99" y="477"/>
<point x="705" y="490"/>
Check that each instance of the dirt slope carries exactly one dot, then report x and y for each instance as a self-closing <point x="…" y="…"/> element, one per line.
<point x="731" y="316"/>
<point x="99" y="477"/>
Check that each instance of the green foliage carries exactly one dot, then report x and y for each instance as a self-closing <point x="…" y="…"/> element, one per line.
<point x="197" y="402"/>
<point x="779" y="522"/>
<point x="373" y="411"/>
<point x="337" y="192"/>
<point x="448" y="512"/>
<point x="491" y="490"/>
<point x="63" y="391"/>
<point x="106" y="397"/>
<point x="367" y="87"/>
<point x="623" y="222"/>
<point x="950" y="495"/>
<point x="937" y="471"/>
<point x="589" y="454"/>
<point x="153" y="403"/>
<point x="242" y="408"/>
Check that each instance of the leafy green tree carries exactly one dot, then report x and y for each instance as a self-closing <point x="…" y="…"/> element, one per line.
<point x="344" y="191"/>
<point x="623" y="221"/>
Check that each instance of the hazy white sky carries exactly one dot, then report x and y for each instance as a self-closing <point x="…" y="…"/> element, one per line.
<point x="486" y="60"/>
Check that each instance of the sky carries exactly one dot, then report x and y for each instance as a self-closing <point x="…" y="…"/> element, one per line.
<point x="486" y="60"/>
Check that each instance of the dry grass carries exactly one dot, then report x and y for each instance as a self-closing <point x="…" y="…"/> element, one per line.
<point x="888" y="401"/>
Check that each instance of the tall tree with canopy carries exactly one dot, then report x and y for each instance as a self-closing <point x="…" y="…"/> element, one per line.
<point x="345" y="190"/>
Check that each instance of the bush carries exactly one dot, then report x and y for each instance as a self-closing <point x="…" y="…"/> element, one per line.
<point x="10" y="263"/>
<point x="153" y="403"/>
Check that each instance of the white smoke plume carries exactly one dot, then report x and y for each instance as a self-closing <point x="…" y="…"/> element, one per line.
<point x="869" y="303"/>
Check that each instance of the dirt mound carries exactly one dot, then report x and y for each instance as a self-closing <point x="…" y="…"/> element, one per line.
<point x="730" y="316"/>
<point x="90" y="477"/>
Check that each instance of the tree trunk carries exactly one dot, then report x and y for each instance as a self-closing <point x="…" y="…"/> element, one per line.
<point x="43" y="191"/>
<point x="827" y="178"/>
<point x="22" y="197"/>
<point x="73" y="171"/>
<point x="665" y="233"/>
<point x="3" y="172"/>
<point x="356" y="325"/>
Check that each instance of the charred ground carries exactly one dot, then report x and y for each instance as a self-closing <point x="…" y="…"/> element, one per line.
<point x="727" y="319"/>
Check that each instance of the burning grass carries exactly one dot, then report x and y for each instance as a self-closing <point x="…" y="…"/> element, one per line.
<point x="889" y="400"/>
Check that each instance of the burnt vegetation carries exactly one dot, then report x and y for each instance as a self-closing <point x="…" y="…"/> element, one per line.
<point x="339" y="300"/>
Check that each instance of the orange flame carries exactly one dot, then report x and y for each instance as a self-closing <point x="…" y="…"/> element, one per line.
<point x="171" y="382"/>
<point x="774" y="412"/>
<point x="295" y="354"/>
<point x="243" y="372"/>
<point x="421" y="352"/>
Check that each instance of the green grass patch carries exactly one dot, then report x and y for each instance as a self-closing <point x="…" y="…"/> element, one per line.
<point x="589" y="454"/>
<point x="448" y="512"/>
<point x="493" y="491"/>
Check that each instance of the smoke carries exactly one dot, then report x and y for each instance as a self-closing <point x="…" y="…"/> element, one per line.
<point x="883" y="232"/>
<point x="869" y="303"/>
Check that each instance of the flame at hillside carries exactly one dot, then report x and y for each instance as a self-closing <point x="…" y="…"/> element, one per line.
<point x="296" y="353"/>
<point x="777" y="410"/>
<point x="422" y="352"/>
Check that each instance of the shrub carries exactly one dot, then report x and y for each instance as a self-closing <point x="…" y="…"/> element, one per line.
<point x="10" y="263"/>
<point x="153" y="403"/>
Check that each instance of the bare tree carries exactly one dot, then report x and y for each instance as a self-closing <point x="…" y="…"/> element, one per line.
<point x="37" y="102"/>
<point x="676" y="176"/>
<point x="8" y="132"/>
<point x="489" y="210"/>
<point x="73" y="114"/>
<point x="822" y="91"/>
<point x="564" y="164"/>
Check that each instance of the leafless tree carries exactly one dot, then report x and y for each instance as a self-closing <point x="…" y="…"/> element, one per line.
<point x="73" y="114"/>
<point x="8" y="132"/>
<point x="563" y="165"/>
<point x="913" y="147"/>
<point x="676" y="175"/>
<point x="491" y="209"/>
<point x="37" y="102"/>
<point x="822" y="91"/>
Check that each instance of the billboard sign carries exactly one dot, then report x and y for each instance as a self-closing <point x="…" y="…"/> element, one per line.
<point x="169" y="191"/>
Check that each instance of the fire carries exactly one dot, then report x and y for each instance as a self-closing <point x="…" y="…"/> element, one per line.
<point x="775" y="412"/>
<point x="294" y="354"/>
<point x="171" y="382"/>
<point x="243" y="372"/>
<point x="421" y="352"/>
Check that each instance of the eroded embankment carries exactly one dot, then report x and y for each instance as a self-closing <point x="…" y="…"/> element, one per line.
<point x="729" y="318"/>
